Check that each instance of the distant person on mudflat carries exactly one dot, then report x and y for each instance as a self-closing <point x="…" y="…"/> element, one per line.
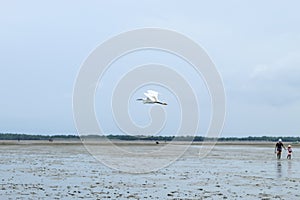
<point x="278" y="148"/>
<point x="289" y="149"/>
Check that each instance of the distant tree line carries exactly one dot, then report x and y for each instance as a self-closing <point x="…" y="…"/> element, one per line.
<point x="14" y="136"/>
<point x="261" y="138"/>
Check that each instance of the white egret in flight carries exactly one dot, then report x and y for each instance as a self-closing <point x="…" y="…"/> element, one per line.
<point x="151" y="98"/>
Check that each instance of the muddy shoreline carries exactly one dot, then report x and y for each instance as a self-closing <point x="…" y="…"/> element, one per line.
<point x="62" y="171"/>
<point x="121" y="142"/>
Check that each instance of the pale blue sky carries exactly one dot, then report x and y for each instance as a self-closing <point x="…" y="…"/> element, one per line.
<point x="254" y="44"/>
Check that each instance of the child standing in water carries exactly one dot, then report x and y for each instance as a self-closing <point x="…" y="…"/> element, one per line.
<point x="289" y="149"/>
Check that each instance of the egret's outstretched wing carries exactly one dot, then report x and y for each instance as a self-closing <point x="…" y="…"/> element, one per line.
<point x="150" y="97"/>
<point x="154" y="94"/>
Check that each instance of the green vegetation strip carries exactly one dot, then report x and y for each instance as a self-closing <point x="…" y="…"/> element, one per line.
<point x="15" y="136"/>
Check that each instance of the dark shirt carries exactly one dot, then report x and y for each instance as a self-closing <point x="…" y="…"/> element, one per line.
<point x="279" y="146"/>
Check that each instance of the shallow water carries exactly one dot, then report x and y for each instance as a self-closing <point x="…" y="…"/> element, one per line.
<point x="70" y="172"/>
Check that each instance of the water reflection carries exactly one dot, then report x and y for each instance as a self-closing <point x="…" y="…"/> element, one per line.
<point x="279" y="169"/>
<point x="289" y="167"/>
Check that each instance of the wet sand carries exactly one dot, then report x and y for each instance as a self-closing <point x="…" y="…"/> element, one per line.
<point x="34" y="170"/>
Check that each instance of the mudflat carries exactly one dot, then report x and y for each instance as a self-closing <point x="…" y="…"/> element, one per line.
<point x="66" y="170"/>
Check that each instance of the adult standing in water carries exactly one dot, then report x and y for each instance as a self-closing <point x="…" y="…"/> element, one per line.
<point x="278" y="148"/>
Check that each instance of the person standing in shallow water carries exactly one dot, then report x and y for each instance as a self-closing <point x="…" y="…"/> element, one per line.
<point x="278" y="148"/>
